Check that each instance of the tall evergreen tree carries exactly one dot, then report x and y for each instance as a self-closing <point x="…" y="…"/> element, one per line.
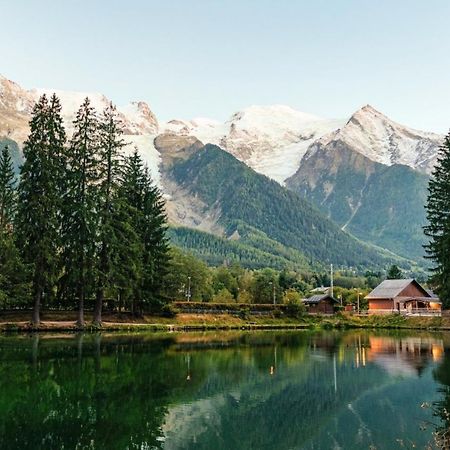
<point x="79" y="218"/>
<point x="150" y="222"/>
<point x="438" y="228"/>
<point x="7" y="190"/>
<point x="38" y="215"/>
<point x="110" y="165"/>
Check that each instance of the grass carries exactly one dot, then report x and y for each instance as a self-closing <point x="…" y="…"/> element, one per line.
<point x="65" y="321"/>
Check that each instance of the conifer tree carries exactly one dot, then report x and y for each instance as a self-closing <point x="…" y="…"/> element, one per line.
<point x="394" y="273"/>
<point x="109" y="165"/>
<point x="79" y="218"/>
<point x="38" y="220"/>
<point x="438" y="228"/>
<point x="149" y="221"/>
<point x="7" y="190"/>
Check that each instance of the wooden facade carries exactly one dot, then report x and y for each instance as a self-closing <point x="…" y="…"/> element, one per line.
<point x="403" y="297"/>
<point x="321" y="304"/>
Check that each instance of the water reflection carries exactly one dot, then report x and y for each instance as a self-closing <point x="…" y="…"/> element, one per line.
<point x="292" y="390"/>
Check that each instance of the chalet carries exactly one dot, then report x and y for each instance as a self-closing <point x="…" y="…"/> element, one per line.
<point x="321" y="304"/>
<point x="403" y="296"/>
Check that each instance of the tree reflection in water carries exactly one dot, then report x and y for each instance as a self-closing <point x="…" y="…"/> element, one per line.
<point x="221" y="390"/>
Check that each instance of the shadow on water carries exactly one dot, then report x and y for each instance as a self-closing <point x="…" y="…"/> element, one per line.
<point x="225" y="390"/>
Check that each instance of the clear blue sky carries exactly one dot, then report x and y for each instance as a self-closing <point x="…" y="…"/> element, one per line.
<point x="190" y="58"/>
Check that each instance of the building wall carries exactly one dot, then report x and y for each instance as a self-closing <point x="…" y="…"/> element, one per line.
<point x="412" y="291"/>
<point x="380" y="304"/>
<point x="324" y="307"/>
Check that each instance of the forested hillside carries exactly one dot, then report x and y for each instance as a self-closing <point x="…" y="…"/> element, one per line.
<point x="377" y="203"/>
<point x="254" y="250"/>
<point x="245" y="197"/>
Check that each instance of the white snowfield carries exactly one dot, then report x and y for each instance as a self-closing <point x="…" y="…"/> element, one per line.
<point x="380" y="139"/>
<point x="271" y="139"/>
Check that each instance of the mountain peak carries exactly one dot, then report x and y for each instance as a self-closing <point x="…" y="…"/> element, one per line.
<point x="376" y="136"/>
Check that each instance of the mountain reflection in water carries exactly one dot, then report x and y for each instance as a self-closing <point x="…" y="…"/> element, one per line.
<point x="227" y="390"/>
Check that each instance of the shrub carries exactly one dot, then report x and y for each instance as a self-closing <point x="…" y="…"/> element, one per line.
<point x="169" y="310"/>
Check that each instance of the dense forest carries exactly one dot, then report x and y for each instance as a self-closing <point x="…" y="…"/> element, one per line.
<point x="83" y="221"/>
<point x="246" y="197"/>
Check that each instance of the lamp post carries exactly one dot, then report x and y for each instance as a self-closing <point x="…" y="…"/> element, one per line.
<point x="189" y="290"/>
<point x="359" y="293"/>
<point x="272" y="285"/>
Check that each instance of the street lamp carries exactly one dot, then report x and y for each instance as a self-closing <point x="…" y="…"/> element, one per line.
<point x="272" y="285"/>
<point x="359" y="293"/>
<point x="189" y="290"/>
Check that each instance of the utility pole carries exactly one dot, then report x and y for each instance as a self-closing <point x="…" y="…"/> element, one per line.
<point x="359" y="293"/>
<point x="189" y="290"/>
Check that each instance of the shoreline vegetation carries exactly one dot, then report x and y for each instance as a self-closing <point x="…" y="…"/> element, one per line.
<point x="65" y="321"/>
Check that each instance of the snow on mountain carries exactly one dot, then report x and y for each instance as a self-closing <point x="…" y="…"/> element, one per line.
<point x="139" y="122"/>
<point x="380" y="139"/>
<point x="136" y="116"/>
<point x="270" y="139"/>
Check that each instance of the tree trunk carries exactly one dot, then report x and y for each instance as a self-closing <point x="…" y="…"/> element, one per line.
<point x="36" y="317"/>
<point x="98" y="307"/>
<point x="80" y="317"/>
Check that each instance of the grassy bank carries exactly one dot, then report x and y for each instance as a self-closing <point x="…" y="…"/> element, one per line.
<point x="65" y="321"/>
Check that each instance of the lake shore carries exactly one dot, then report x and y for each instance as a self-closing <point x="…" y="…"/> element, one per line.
<point x="65" y="321"/>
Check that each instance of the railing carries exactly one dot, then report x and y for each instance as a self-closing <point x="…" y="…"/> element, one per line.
<point x="421" y="312"/>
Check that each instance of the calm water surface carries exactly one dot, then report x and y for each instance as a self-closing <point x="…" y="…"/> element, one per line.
<point x="253" y="390"/>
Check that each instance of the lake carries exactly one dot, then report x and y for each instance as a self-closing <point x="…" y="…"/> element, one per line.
<point x="225" y="390"/>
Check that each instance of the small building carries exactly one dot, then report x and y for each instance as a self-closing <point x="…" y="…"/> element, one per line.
<point x="404" y="297"/>
<point x="321" y="304"/>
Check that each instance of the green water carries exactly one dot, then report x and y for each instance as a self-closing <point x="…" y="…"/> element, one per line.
<point x="252" y="390"/>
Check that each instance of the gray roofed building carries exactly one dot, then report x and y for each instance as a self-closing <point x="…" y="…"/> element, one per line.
<point x="317" y="298"/>
<point x="403" y="297"/>
<point x="391" y="288"/>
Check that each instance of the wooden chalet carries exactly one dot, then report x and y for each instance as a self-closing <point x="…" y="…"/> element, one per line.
<point x="404" y="297"/>
<point x="320" y="304"/>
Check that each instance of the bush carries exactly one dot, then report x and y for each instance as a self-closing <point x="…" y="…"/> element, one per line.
<point x="169" y="310"/>
<point x="244" y="313"/>
<point x="294" y="305"/>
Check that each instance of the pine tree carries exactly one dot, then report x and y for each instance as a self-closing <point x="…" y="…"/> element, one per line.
<point x="150" y="223"/>
<point x="394" y="273"/>
<point x="438" y="228"/>
<point x="38" y="221"/>
<point x="79" y="218"/>
<point x="7" y="190"/>
<point x="110" y="165"/>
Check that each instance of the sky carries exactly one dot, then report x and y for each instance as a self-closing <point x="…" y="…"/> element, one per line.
<point x="210" y="58"/>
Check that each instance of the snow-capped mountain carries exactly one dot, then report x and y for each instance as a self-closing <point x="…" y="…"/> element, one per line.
<point x="140" y="124"/>
<point x="382" y="140"/>
<point x="270" y="139"/>
<point x="366" y="173"/>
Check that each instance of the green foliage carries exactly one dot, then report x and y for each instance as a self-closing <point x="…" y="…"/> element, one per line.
<point x="244" y="196"/>
<point x="7" y="190"/>
<point x="79" y="209"/>
<point x="438" y="228"/>
<point x="390" y="201"/>
<point x="181" y="267"/>
<point x="394" y="273"/>
<point x="87" y="222"/>
<point x="14" y="153"/>
<point x="148" y="219"/>
<point x="223" y="296"/>
<point x="39" y="197"/>
<point x="253" y="249"/>
<point x="14" y="284"/>
<point x="294" y="305"/>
